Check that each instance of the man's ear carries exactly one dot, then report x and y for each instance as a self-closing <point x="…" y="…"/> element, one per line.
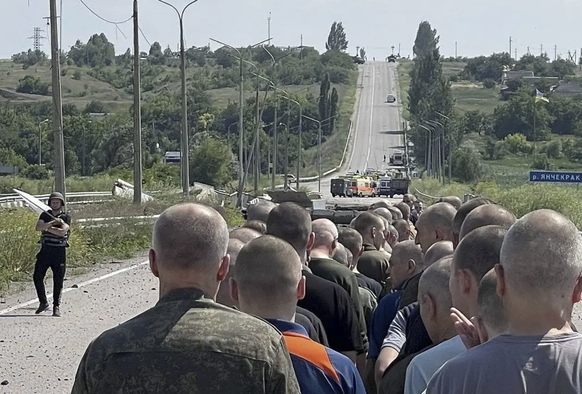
<point x="431" y="306"/>
<point x="577" y="294"/>
<point x="310" y="241"/>
<point x="465" y="280"/>
<point x="154" y="263"/>
<point x="301" y="288"/>
<point x="223" y="269"/>
<point x="411" y="266"/>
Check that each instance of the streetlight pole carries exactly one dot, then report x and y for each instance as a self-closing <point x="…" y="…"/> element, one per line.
<point x="185" y="164"/>
<point x="450" y="161"/>
<point x="440" y="148"/>
<point x="241" y="117"/>
<point x="319" y="122"/>
<point x="40" y="141"/>
<point x="428" y="156"/>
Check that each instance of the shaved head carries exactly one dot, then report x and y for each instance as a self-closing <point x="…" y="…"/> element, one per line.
<point x="434" y="298"/>
<point x="256" y="225"/>
<point x="406" y="261"/>
<point x="485" y="215"/>
<point x="453" y="200"/>
<point x="435" y="224"/>
<point x="223" y="296"/>
<point x="405" y="209"/>
<point x="438" y="251"/>
<point x="260" y="210"/>
<point x="491" y="309"/>
<point x="234" y="247"/>
<point x="190" y="237"/>
<point x="291" y="223"/>
<point x="244" y="234"/>
<point x="267" y="274"/>
<point x="379" y="204"/>
<point x="352" y="240"/>
<point x="384" y="212"/>
<point x="340" y="254"/>
<point x="479" y="251"/>
<point x="396" y="213"/>
<point x="325" y="233"/>
<point x="371" y="227"/>
<point x="408" y="250"/>
<point x="465" y="209"/>
<point x="541" y="258"/>
<point x="403" y="229"/>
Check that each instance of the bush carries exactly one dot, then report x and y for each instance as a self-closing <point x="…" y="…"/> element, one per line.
<point x="466" y="165"/>
<point x="489" y="83"/>
<point x="541" y="162"/>
<point x="553" y="149"/>
<point x="35" y="172"/>
<point x="517" y="143"/>
<point x="77" y="75"/>
<point x="32" y="85"/>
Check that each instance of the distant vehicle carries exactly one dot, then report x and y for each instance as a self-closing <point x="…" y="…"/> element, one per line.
<point x="397" y="158"/>
<point x="391" y="59"/>
<point x="341" y="187"/>
<point x="358" y="60"/>
<point x="290" y="178"/>
<point x="391" y="98"/>
<point x="370" y="171"/>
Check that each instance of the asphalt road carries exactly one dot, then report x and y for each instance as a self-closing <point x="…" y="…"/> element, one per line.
<point x="377" y="127"/>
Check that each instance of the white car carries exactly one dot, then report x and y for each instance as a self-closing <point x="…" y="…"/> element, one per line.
<point x="391" y="98"/>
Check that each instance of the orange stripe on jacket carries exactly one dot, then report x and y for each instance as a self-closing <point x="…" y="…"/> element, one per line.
<point x="301" y="346"/>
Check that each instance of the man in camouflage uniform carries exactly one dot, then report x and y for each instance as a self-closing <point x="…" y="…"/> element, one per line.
<point x="188" y="343"/>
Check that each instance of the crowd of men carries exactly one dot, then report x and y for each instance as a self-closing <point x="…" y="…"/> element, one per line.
<point x="453" y="298"/>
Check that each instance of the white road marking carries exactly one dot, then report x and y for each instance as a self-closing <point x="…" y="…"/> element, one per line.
<point x="76" y="286"/>
<point x="371" y="120"/>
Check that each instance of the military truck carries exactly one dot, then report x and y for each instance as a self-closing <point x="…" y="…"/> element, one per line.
<point x="341" y="187"/>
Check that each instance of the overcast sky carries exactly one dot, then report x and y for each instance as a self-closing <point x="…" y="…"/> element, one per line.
<point x="478" y="26"/>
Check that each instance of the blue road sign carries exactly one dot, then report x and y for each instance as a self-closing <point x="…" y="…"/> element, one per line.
<point x="555" y="177"/>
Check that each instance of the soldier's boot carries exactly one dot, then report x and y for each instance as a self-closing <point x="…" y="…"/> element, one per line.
<point x="56" y="311"/>
<point x="42" y="307"/>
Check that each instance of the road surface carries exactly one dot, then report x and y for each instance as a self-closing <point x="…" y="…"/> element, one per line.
<point x="377" y="125"/>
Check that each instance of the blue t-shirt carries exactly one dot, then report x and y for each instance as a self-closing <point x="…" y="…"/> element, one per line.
<point x="381" y="320"/>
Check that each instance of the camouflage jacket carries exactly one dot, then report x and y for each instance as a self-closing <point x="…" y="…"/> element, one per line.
<point x="187" y="343"/>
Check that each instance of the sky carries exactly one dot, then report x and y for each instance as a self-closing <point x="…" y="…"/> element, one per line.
<point x="478" y="27"/>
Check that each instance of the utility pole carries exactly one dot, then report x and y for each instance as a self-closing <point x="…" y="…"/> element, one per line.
<point x="275" y="144"/>
<point x="257" y="170"/>
<point x="137" y="154"/>
<point x="541" y="49"/>
<point x="398" y="49"/>
<point x="555" y="52"/>
<point x="528" y="52"/>
<point x="269" y="28"/>
<point x="59" y="146"/>
<point x="61" y="25"/>
<point x="510" y="42"/>
<point x="456" y="48"/>
<point x="36" y="39"/>
<point x="515" y="54"/>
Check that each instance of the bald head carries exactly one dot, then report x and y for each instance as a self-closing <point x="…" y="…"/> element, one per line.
<point x="267" y="273"/>
<point x="465" y="209"/>
<point x="379" y="204"/>
<point x="485" y="215"/>
<point x="223" y="296"/>
<point x="408" y="250"/>
<point x="366" y="221"/>
<point x="256" y="225"/>
<point x="291" y="223"/>
<point x="396" y="213"/>
<point x="435" y="299"/>
<point x="405" y="209"/>
<point x="541" y="257"/>
<point x="260" y="210"/>
<point x="233" y="249"/>
<point x="453" y="200"/>
<point x="479" y="251"/>
<point x="435" y="224"/>
<point x="491" y="309"/>
<point x="244" y="234"/>
<point x="384" y="212"/>
<point x="325" y="233"/>
<point x="438" y="251"/>
<point x="190" y="237"/>
<point x="403" y="229"/>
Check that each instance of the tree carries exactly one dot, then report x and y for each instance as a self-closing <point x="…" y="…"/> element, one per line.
<point x="363" y="53"/>
<point x="32" y="85"/>
<point x="337" y="38"/>
<point x="212" y="163"/>
<point x="426" y="40"/>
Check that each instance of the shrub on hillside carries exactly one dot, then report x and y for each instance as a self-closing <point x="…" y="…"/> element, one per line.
<point x="466" y="165"/>
<point x="553" y="149"/>
<point x="517" y="143"/>
<point x="541" y="162"/>
<point x="489" y="83"/>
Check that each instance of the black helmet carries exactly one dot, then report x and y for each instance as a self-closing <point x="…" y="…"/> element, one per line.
<point x="56" y="196"/>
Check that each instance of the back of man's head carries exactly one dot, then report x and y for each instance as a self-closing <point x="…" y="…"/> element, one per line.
<point x="403" y="229"/>
<point x="366" y="221"/>
<point x="486" y="215"/>
<point x="291" y="223"/>
<point x="453" y="200"/>
<point x="325" y="232"/>
<point x="435" y="299"/>
<point x="353" y="241"/>
<point x="438" y="251"/>
<point x="260" y="210"/>
<point x="266" y="278"/>
<point x="340" y="255"/>
<point x="257" y="225"/>
<point x="479" y="251"/>
<point x="491" y="309"/>
<point x="223" y="296"/>
<point x="396" y="213"/>
<point x="405" y="209"/>
<point x="384" y="212"/>
<point x="541" y="258"/>
<point x="378" y="204"/>
<point x="245" y="234"/>
<point x="189" y="238"/>
<point x="435" y="224"/>
<point x="465" y="209"/>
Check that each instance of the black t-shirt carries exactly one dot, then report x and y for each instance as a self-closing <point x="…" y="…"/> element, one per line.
<point x="417" y="337"/>
<point x="312" y="324"/>
<point x="336" y="310"/>
<point x="369" y="283"/>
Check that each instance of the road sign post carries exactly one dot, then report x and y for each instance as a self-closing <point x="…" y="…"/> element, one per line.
<point x="555" y="177"/>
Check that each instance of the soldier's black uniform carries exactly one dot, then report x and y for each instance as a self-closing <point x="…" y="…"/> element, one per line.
<point x="53" y="255"/>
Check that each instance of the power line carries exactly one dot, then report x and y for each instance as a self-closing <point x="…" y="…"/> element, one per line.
<point x="103" y="19"/>
<point x="144" y="37"/>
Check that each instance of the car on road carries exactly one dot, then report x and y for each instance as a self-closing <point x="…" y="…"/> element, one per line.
<point x="391" y="98"/>
<point x="391" y="59"/>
